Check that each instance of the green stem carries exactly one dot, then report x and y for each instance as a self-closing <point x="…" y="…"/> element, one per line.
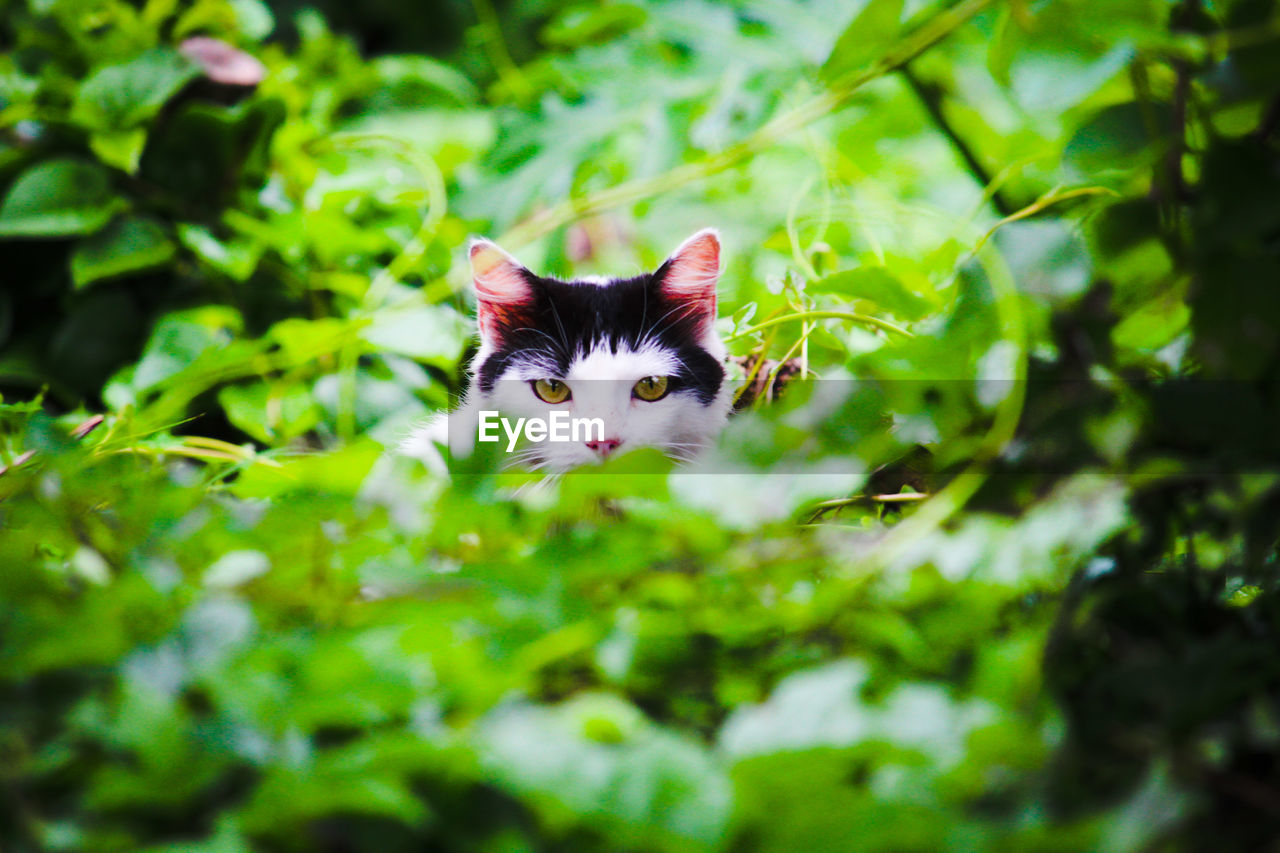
<point x="823" y="507"/>
<point x="852" y="316"/>
<point x="772" y="378"/>
<point x="1047" y="200"/>
<point x="755" y="369"/>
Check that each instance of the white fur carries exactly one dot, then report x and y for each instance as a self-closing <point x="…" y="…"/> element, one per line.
<point x="600" y="381"/>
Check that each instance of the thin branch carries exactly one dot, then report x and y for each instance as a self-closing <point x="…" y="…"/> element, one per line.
<point x="931" y="95"/>
<point x="1047" y="200"/>
<point x="1175" y="184"/>
<point x="749" y="382"/>
<point x="853" y="316"/>
<point x="821" y="509"/>
<point x="771" y="381"/>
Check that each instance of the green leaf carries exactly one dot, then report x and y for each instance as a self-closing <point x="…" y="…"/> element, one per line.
<point x="1119" y="137"/>
<point x="129" y="244"/>
<point x="123" y="96"/>
<point x="237" y="258"/>
<point x="809" y="800"/>
<point x="413" y="82"/>
<point x="181" y="338"/>
<point x="864" y="39"/>
<point x="426" y="333"/>
<point x="1153" y="325"/>
<point x="823" y="707"/>
<point x="270" y="414"/>
<point x="584" y="25"/>
<point x="598" y="757"/>
<point x="253" y="17"/>
<point x="878" y="285"/>
<point x="58" y="198"/>
<point x="1050" y="80"/>
<point x="235" y="568"/>
<point x="119" y="148"/>
<point x="339" y="473"/>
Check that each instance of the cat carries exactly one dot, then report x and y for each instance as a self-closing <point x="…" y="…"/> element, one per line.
<point x="636" y="361"/>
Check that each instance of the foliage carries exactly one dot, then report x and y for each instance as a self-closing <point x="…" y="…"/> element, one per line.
<point x="1003" y="578"/>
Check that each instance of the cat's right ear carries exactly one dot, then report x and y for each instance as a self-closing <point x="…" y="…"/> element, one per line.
<point x="503" y="292"/>
<point x="688" y="279"/>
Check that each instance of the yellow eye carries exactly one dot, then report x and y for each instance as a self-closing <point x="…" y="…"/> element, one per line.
<point x="650" y="388"/>
<point x="551" y="390"/>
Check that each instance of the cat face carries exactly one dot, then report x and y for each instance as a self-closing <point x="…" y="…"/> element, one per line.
<point x="639" y="354"/>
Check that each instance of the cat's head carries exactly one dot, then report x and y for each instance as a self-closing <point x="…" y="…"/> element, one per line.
<point x="640" y="354"/>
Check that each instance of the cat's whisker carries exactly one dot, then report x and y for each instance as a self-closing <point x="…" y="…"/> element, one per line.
<point x="535" y="331"/>
<point x="564" y="337"/>
<point x="644" y="312"/>
<point x="657" y="329"/>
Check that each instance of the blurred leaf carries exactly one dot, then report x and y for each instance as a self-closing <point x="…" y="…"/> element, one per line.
<point x="1121" y="136"/>
<point x="236" y="258"/>
<point x="58" y="198"/>
<point x="823" y="707"/>
<point x="408" y="82"/>
<point x="233" y="142"/>
<point x="598" y="757"/>
<point x="877" y="285"/>
<point x="866" y="37"/>
<point x="816" y="800"/>
<point x="1152" y="325"/>
<point x="119" y="148"/>
<point x="340" y="473"/>
<point x="269" y="414"/>
<point x="593" y="25"/>
<point x="254" y="17"/>
<point x="236" y="567"/>
<point x="427" y="332"/>
<point x="130" y="244"/>
<point x="124" y="95"/>
<point x="177" y="342"/>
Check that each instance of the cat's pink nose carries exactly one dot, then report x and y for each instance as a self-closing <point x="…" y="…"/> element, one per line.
<point x="604" y="446"/>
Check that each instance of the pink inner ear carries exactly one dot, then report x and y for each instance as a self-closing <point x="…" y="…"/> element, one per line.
<point x="692" y="274"/>
<point x="501" y="288"/>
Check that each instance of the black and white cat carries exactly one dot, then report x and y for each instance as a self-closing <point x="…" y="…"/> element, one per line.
<point x="640" y="356"/>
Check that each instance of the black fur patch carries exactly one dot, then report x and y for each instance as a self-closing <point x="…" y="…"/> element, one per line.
<point x="565" y="320"/>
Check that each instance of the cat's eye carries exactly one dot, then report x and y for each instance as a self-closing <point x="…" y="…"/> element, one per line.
<point x="551" y="390"/>
<point x="650" y="388"/>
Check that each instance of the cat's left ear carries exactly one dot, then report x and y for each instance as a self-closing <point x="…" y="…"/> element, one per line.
<point x="689" y="277"/>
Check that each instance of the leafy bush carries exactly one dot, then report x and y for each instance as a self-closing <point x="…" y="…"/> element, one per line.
<point x="1004" y="577"/>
